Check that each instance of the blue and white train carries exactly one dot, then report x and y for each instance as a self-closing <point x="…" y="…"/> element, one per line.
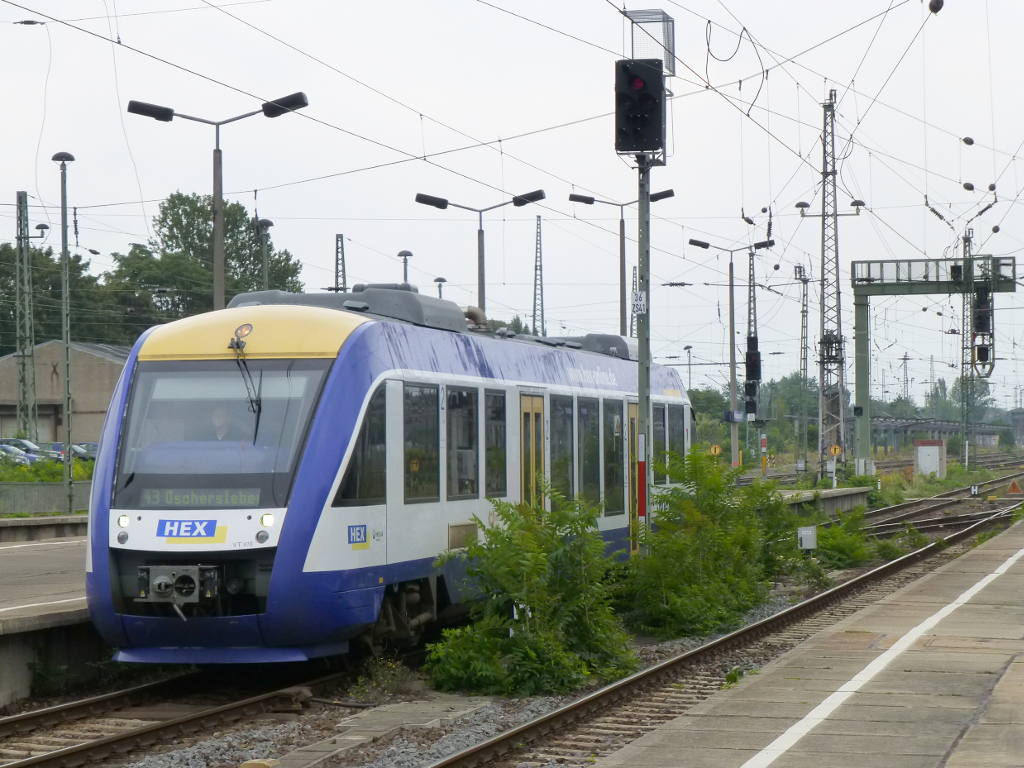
<point x="277" y="479"/>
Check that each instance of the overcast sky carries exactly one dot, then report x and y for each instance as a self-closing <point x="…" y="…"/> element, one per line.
<point x="461" y="82"/>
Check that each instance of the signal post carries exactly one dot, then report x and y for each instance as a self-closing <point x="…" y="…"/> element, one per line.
<point x="640" y="132"/>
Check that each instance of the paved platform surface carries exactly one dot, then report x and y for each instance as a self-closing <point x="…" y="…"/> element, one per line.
<point x="931" y="676"/>
<point x="42" y="584"/>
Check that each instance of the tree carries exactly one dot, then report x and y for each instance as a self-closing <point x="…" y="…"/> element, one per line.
<point x="94" y="314"/>
<point x="980" y="403"/>
<point x="181" y="251"/>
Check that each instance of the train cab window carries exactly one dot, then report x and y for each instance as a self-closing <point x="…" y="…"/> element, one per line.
<point x="366" y="475"/>
<point x="658" y="428"/>
<point x="422" y="441"/>
<point x="614" y="459"/>
<point x="462" y="431"/>
<point x="588" y="435"/>
<point x="677" y="430"/>
<point x="561" y="445"/>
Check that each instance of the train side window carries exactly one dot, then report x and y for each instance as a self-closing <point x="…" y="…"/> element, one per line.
<point x="614" y="499"/>
<point x="496" y="484"/>
<point x="462" y="431"/>
<point x="588" y="433"/>
<point x="659" y="442"/>
<point x="677" y="430"/>
<point x="422" y="443"/>
<point x="365" y="480"/>
<point x="561" y="445"/>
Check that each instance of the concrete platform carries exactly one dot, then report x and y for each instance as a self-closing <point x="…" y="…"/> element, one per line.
<point x="42" y="584"/>
<point x="931" y="676"/>
<point x="829" y="500"/>
<point x="45" y="634"/>
<point x="38" y="528"/>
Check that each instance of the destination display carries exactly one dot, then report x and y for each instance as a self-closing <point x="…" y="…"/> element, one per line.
<point x="200" y="498"/>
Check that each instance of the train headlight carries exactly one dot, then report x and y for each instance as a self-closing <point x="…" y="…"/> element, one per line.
<point x="267" y="519"/>
<point x="123" y="520"/>
<point x="122" y="537"/>
<point x="262" y="536"/>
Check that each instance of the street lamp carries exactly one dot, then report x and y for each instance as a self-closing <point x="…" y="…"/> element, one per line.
<point x="64" y="158"/>
<point x="263" y="227"/>
<point x="689" y="366"/>
<point x="587" y="200"/>
<point x="519" y="201"/>
<point x="734" y="427"/>
<point x="275" y="108"/>
<point x="440" y="282"/>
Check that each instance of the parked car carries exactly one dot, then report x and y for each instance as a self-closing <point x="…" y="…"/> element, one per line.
<point x="90" y="449"/>
<point x="12" y="455"/>
<point x="77" y="450"/>
<point x="30" y="448"/>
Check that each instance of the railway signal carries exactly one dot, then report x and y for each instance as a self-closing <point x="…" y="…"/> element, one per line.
<point x="639" y="105"/>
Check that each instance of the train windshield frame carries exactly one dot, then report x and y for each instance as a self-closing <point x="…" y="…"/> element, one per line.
<point x="215" y="434"/>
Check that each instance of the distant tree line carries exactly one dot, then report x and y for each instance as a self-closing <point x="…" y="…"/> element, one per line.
<point x="780" y="402"/>
<point x="168" y="278"/>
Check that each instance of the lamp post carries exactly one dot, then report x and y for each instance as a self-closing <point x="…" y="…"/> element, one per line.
<point x="263" y="227"/>
<point x="64" y="158"/>
<point x="276" y="108"/>
<point x="734" y="427"/>
<point x="587" y="200"/>
<point x="440" y="282"/>
<point x="405" y="256"/>
<point x="442" y="203"/>
<point x="689" y="366"/>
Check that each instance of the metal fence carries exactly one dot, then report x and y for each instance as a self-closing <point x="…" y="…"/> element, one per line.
<point x="41" y="498"/>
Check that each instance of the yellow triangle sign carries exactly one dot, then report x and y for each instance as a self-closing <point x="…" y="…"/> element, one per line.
<point x="1014" y="489"/>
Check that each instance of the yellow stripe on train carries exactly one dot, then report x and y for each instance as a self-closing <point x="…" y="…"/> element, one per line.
<point x="277" y="331"/>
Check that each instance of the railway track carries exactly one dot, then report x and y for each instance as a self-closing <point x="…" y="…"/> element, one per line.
<point x="885" y="518"/>
<point x="607" y="719"/>
<point x="94" y="731"/>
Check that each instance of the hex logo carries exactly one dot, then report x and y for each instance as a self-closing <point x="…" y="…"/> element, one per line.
<point x="357" y="537"/>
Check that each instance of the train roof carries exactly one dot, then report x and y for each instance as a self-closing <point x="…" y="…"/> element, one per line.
<point x="404" y="303"/>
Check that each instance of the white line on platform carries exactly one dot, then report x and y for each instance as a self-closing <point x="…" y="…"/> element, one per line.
<point x="43" y="544"/>
<point x="39" y="605"/>
<point x="798" y="730"/>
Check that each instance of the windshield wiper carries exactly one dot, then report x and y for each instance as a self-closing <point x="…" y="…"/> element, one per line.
<point x="252" y="390"/>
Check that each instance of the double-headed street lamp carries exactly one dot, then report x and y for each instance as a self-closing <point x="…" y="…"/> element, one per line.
<point x="274" y="108"/>
<point x="442" y="203"/>
<point x="734" y="427"/>
<point x="587" y="200"/>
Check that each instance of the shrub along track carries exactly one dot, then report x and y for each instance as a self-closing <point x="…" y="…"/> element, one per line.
<point x="615" y="715"/>
<point x="92" y="731"/>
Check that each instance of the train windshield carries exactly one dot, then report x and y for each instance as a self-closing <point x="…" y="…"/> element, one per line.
<point x="212" y="434"/>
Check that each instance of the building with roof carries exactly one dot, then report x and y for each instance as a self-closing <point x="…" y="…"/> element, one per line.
<point x="95" y="369"/>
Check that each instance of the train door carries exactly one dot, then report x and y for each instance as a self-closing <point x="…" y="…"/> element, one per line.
<point x="631" y="472"/>
<point x="531" y="450"/>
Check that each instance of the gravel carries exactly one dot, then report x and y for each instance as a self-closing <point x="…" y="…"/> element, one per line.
<point x="412" y="748"/>
<point x="409" y="747"/>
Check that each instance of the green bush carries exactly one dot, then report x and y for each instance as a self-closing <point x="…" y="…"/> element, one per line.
<point x="706" y="559"/>
<point x="844" y="544"/>
<point x="43" y="471"/>
<point x="546" y="623"/>
<point x="887" y="549"/>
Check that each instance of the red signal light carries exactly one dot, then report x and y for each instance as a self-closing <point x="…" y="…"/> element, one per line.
<point x="637" y="83"/>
